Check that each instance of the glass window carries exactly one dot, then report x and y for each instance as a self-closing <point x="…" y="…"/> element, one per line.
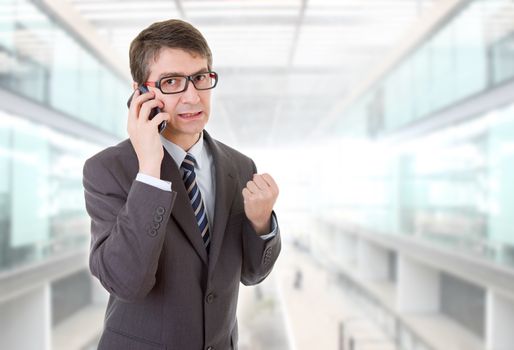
<point x="64" y="81"/>
<point x="421" y="83"/>
<point x="501" y="172"/>
<point x="32" y="46"/>
<point x="7" y="11"/>
<point x="498" y="28"/>
<point x="29" y="204"/>
<point x="119" y="109"/>
<point x="502" y="56"/>
<point x="41" y="195"/>
<point x="89" y="89"/>
<point x="441" y="48"/>
<point x="398" y="100"/>
<point x="470" y="52"/>
<point x="5" y="188"/>
<point x="40" y="60"/>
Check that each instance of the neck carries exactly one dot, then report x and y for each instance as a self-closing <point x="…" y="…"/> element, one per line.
<point x="185" y="141"/>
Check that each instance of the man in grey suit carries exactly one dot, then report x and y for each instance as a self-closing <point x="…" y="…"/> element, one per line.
<point x="178" y="219"/>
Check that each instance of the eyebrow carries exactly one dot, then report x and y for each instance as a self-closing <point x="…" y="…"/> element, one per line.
<point x="171" y="74"/>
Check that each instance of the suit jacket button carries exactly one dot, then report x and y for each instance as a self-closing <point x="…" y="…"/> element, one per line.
<point x="157" y="218"/>
<point x="210" y="298"/>
<point x="152" y="232"/>
<point x="160" y="210"/>
<point x="156" y="225"/>
<point x="210" y="348"/>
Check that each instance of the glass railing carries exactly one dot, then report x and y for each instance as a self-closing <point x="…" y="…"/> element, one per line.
<point x="40" y="60"/>
<point x="41" y="195"/>
<point x="470" y="54"/>
<point x="402" y="335"/>
<point x="454" y="186"/>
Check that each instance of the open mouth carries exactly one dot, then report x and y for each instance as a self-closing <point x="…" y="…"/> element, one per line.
<point x="190" y="115"/>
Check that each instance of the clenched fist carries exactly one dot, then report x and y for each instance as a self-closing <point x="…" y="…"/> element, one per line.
<point x="259" y="197"/>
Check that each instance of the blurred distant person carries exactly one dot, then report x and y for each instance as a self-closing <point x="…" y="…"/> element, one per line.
<point x="298" y="279"/>
<point x="178" y="219"/>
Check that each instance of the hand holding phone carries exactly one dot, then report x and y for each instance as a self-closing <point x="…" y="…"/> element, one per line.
<point x="143" y="89"/>
<point x="146" y="142"/>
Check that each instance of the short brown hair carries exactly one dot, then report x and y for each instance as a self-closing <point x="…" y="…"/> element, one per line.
<point x="172" y="33"/>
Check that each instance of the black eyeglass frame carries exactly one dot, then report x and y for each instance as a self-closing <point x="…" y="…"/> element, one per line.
<point x="189" y="78"/>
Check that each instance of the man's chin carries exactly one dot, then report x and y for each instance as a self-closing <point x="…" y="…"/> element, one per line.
<point x="180" y="129"/>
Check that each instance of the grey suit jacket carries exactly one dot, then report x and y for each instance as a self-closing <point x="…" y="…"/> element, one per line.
<point x="147" y="251"/>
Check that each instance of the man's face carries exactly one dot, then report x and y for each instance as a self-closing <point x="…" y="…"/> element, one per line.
<point x="188" y="110"/>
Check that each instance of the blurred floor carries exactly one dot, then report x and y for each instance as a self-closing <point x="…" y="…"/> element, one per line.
<point x="317" y="307"/>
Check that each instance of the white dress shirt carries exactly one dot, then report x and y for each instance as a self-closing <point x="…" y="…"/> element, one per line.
<point x="205" y="176"/>
<point x="204" y="170"/>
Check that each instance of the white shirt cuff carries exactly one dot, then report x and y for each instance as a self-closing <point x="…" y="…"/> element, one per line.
<point x="153" y="181"/>
<point x="274" y="227"/>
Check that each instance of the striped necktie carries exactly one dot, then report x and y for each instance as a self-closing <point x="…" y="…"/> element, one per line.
<point x="195" y="197"/>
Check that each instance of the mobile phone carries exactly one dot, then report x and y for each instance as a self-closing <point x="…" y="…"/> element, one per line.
<point x="156" y="110"/>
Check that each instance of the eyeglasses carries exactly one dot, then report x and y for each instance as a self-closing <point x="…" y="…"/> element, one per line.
<point x="178" y="83"/>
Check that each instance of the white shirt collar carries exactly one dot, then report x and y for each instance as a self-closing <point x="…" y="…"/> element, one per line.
<point x="178" y="154"/>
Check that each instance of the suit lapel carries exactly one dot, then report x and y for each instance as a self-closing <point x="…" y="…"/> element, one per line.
<point x="225" y="192"/>
<point x="182" y="210"/>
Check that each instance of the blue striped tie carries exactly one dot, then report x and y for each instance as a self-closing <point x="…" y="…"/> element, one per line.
<point x="193" y="191"/>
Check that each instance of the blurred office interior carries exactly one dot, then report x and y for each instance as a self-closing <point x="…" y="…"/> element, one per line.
<point x="388" y="124"/>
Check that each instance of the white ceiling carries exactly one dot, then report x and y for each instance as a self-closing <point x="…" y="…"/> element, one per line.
<point x="282" y="63"/>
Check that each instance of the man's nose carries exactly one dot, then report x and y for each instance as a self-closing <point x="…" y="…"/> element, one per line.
<point x="191" y="94"/>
